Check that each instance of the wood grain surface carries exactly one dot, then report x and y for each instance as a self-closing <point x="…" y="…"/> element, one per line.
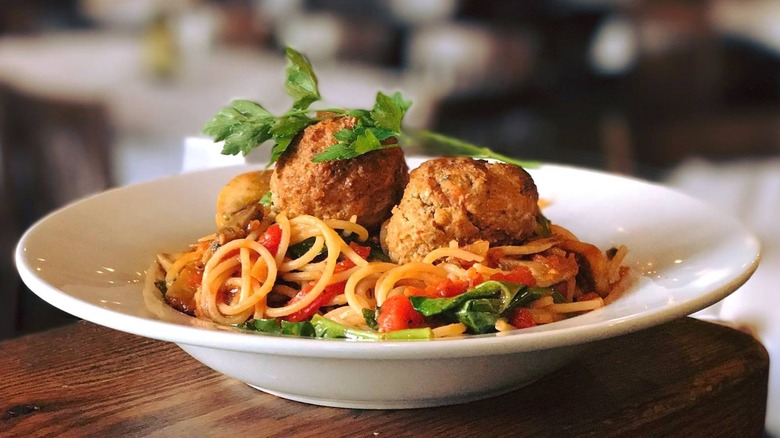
<point x="684" y="378"/>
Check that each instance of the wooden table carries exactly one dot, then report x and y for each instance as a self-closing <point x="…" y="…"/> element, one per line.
<point x="684" y="378"/>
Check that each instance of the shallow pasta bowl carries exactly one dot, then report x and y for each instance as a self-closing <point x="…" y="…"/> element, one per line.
<point x="90" y="258"/>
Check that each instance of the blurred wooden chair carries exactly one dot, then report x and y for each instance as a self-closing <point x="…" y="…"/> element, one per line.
<point x="52" y="151"/>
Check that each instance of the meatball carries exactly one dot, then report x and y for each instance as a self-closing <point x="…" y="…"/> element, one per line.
<point x="461" y="199"/>
<point x="367" y="186"/>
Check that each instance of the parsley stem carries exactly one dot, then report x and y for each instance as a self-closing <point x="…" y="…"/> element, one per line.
<point x="445" y="145"/>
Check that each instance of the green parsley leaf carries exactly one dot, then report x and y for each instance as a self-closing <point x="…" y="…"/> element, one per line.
<point x="290" y="125"/>
<point x="383" y="134"/>
<point x="369" y="316"/>
<point x="366" y="142"/>
<point x="250" y="109"/>
<point x="245" y="125"/>
<point x="301" y="82"/>
<point x="387" y="113"/>
<point x="401" y="102"/>
<point x="361" y="141"/>
<point x="281" y="145"/>
<point x="339" y="151"/>
<point x="345" y="136"/>
<point x="242" y="126"/>
<point x="372" y="128"/>
<point x="359" y="114"/>
<point x="266" y="200"/>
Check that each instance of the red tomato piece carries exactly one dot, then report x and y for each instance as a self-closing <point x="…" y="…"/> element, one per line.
<point x="520" y="274"/>
<point x="445" y="288"/>
<point x="450" y="288"/>
<point x="412" y="291"/>
<point x="194" y="275"/>
<point x="327" y="294"/>
<point x="475" y="278"/>
<point x="397" y="313"/>
<point x="521" y="318"/>
<point x="271" y="238"/>
<point x="362" y="251"/>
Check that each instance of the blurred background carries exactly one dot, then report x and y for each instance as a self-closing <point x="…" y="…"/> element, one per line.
<point x="102" y="93"/>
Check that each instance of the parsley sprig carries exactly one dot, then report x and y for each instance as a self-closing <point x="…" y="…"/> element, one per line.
<point x="245" y="125"/>
<point x="440" y="144"/>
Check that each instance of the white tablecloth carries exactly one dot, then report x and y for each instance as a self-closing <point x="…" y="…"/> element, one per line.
<point x="749" y="190"/>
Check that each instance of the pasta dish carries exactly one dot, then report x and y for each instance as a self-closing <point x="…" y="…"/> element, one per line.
<point x="341" y="240"/>
<point x="285" y="272"/>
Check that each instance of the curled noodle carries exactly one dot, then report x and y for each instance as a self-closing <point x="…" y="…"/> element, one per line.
<point x="243" y="279"/>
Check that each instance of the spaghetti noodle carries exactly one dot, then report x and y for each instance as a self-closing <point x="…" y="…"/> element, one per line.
<point x="303" y="266"/>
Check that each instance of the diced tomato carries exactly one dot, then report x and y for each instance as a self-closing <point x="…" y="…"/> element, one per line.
<point x="330" y="291"/>
<point x="397" y="313"/>
<point x="271" y="238"/>
<point x="450" y="288"/>
<point x="194" y="275"/>
<point x="475" y="278"/>
<point x="445" y="288"/>
<point x="328" y="294"/>
<point x="521" y="318"/>
<point x="465" y="264"/>
<point x="412" y="291"/>
<point x="520" y="274"/>
<point x="362" y="251"/>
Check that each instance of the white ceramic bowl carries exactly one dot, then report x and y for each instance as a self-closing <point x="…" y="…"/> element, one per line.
<point x="89" y="259"/>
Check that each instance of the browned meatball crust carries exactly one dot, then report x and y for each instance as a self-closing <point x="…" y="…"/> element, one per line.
<point x="367" y="186"/>
<point x="461" y="199"/>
